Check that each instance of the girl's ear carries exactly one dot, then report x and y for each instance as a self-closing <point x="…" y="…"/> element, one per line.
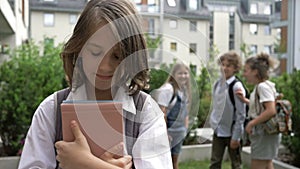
<point x="255" y="72"/>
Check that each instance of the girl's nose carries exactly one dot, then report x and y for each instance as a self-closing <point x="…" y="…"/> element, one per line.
<point x="105" y="63"/>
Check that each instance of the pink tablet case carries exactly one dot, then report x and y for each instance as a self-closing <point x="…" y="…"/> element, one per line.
<point x="100" y="122"/>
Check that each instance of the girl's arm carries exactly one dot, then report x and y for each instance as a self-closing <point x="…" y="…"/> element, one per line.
<point x="186" y="122"/>
<point x="164" y="110"/>
<point x="269" y="112"/>
<point x="239" y="93"/>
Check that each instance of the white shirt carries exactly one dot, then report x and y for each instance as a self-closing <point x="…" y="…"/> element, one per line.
<point x="266" y="91"/>
<point x="151" y="150"/>
<point x="164" y="94"/>
<point x="223" y="115"/>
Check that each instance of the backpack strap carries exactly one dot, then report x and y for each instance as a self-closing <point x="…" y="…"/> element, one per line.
<point x="59" y="97"/>
<point x="133" y="121"/>
<point x="231" y="94"/>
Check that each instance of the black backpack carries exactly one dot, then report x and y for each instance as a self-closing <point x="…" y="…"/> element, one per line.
<point x="132" y="124"/>
<point x="231" y="96"/>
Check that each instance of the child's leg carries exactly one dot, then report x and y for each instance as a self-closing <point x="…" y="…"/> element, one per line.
<point x="235" y="157"/>
<point x="218" y="147"/>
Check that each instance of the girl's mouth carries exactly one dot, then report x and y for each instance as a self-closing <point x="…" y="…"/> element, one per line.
<point x="104" y="77"/>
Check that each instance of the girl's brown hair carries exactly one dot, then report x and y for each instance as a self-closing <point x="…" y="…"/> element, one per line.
<point x="122" y="16"/>
<point x="262" y="63"/>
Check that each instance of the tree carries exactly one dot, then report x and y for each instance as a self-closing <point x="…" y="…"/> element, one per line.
<point x="25" y="80"/>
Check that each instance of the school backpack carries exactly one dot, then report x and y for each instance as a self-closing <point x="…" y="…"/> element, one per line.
<point x="132" y="124"/>
<point x="231" y="96"/>
<point x="282" y="121"/>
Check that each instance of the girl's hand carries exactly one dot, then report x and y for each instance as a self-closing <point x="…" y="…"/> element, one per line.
<point x="77" y="154"/>
<point x="241" y="96"/>
<point x="249" y="128"/>
<point x="69" y="154"/>
<point x="111" y="156"/>
<point x="234" y="144"/>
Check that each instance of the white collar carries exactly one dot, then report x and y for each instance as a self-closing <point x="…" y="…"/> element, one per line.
<point x="230" y="80"/>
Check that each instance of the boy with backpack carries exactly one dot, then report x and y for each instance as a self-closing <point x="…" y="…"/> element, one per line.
<point x="228" y="115"/>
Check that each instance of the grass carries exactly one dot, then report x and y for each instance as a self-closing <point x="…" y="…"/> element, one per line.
<point x="203" y="165"/>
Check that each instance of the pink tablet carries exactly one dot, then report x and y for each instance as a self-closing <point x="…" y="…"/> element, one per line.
<point x="100" y="122"/>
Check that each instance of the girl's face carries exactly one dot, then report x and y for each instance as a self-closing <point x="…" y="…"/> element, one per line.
<point x="250" y="74"/>
<point x="228" y="69"/>
<point x="182" y="76"/>
<point x="100" y="58"/>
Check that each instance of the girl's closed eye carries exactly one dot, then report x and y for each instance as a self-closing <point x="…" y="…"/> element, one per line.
<point x="117" y="56"/>
<point x="96" y="53"/>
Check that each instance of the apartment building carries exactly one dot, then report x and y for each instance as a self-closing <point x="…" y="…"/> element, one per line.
<point x="226" y="25"/>
<point x="188" y="27"/>
<point x="54" y="19"/>
<point x="14" y="22"/>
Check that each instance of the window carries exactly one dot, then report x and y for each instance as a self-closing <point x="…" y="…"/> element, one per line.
<point x="193" y="48"/>
<point x="49" y="41"/>
<point x="231" y="31"/>
<point x="253" y="49"/>
<point x="253" y="8"/>
<point x="267" y="49"/>
<point x="267" y="10"/>
<point x="231" y="45"/>
<point x="267" y="30"/>
<point x="173" y="46"/>
<point x="173" y="24"/>
<point x="193" y="4"/>
<point x="151" y="2"/>
<point x="253" y="29"/>
<point x="193" y="68"/>
<point x="193" y="26"/>
<point x="151" y="26"/>
<point x="48" y="19"/>
<point x="278" y="34"/>
<point x="171" y="3"/>
<point x="137" y="1"/>
<point x="73" y="18"/>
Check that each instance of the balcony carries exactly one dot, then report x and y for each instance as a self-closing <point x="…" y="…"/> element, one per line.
<point x="7" y="18"/>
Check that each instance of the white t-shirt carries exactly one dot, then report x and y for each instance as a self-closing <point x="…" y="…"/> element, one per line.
<point x="266" y="92"/>
<point x="164" y="94"/>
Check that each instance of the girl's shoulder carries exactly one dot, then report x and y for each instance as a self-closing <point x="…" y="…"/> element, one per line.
<point x="167" y="87"/>
<point x="266" y="85"/>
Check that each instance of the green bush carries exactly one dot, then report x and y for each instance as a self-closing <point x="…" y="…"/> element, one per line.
<point x="25" y="80"/>
<point x="288" y="84"/>
<point x="158" y="77"/>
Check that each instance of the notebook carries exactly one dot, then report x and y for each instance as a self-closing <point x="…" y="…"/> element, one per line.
<point x="100" y="121"/>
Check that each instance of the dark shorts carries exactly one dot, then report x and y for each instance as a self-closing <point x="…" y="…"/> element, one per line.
<point x="176" y="142"/>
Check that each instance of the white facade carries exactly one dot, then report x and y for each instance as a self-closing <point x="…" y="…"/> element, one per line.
<point x="184" y="38"/>
<point x="176" y="32"/>
<point x="260" y="39"/>
<point x="60" y="31"/>
<point x="221" y="31"/>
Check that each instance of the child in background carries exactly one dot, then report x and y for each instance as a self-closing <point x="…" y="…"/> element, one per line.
<point x="226" y="119"/>
<point x="264" y="146"/>
<point x="173" y="98"/>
